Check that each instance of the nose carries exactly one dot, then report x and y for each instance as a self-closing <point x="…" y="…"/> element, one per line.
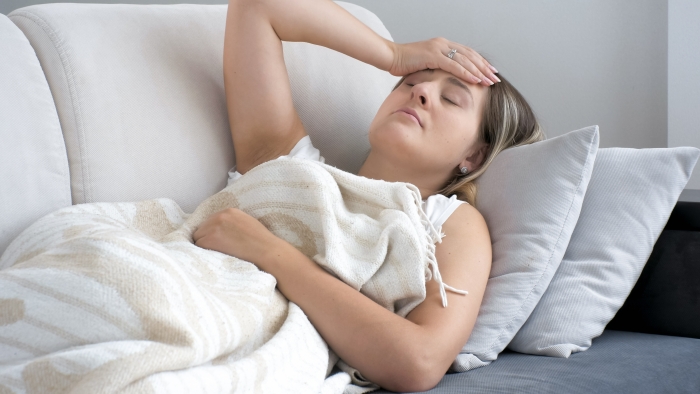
<point x="421" y="93"/>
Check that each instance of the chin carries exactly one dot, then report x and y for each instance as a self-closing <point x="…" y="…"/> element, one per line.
<point x="395" y="142"/>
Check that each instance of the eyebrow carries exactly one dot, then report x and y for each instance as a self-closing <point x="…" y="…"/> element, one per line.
<point x="453" y="81"/>
<point x="456" y="81"/>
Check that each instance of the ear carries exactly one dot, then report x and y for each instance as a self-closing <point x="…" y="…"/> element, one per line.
<point x="473" y="161"/>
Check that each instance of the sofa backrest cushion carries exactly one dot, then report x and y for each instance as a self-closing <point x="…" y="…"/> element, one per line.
<point x="140" y="94"/>
<point x="34" y="179"/>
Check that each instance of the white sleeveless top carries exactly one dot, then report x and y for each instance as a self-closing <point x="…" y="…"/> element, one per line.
<point x="437" y="207"/>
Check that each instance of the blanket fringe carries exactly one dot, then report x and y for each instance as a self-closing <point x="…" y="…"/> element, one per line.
<point x="433" y="236"/>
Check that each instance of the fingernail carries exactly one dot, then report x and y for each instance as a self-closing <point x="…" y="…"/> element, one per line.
<point x="476" y="80"/>
<point x="496" y="78"/>
<point x="493" y="69"/>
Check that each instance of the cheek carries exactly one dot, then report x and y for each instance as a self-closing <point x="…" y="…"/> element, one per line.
<point x="391" y="101"/>
<point x="383" y="116"/>
<point x="453" y="135"/>
<point x="394" y="139"/>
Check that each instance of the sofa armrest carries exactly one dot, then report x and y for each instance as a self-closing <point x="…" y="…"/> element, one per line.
<point x="666" y="298"/>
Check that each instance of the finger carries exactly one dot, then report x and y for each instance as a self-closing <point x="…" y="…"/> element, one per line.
<point x="461" y="59"/>
<point x="482" y="64"/>
<point x="456" y="69"/>
<point x="465" y="62"/>
<point x="200" y="231"/>
<point x="197" y="234"/>
<point x="479" y="61"/>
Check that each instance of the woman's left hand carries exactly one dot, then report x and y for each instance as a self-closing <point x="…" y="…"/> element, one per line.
<point x="237" y="234"/>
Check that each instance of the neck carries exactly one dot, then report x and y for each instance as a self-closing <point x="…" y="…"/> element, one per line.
<point x="375" y="167"/>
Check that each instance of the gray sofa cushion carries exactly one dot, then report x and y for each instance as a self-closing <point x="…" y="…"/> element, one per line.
<point x="617" y="362"/>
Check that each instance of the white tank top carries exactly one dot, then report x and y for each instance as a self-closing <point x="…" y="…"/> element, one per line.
<point x="437" y="207"/>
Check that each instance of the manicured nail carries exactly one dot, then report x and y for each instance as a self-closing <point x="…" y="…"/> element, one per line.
<point x="493" y="69"/>
<point x="476" y="80"/>
<point x="496" y="78"/>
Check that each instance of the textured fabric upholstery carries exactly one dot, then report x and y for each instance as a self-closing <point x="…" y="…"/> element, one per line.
<point x="629" y="199"/>
<point x="530" y="197"/>
<point x="139" y="91"/>
<point x="34" y="179"/>
<point x="666" y="298"/>
<point x="618" y="362"/>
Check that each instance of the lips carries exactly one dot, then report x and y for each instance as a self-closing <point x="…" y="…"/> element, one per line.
<point x="413" y="113"/>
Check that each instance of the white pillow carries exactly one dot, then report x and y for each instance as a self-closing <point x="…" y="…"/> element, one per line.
<point x="530" y="197"/>
<point x="629" y="200"/>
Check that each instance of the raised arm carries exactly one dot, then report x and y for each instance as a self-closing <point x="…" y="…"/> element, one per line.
<point x="264" y="123"/>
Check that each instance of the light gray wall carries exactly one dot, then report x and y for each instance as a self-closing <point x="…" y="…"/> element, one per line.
<point x="577" y="62"/>
<point x="684" y="78"/>
<point x="629" y="66"/>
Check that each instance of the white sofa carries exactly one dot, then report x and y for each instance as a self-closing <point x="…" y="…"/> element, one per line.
<point x="122" y="102"/>
<point x="117" y="102"/>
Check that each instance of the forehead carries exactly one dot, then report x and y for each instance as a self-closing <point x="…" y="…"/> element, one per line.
<point x="437" y="74"/>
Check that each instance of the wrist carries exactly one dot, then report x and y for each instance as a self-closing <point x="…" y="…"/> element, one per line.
<point x="391" y="55"/>
<point x="273" y="257"/>
<point x="289" y="266"/>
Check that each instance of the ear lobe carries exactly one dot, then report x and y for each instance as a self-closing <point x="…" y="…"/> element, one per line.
<point x="482" y="153"/>
<point x="474" y="161"/>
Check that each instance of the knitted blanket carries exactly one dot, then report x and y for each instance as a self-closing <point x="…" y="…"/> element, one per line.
<point x="115" y="297"/>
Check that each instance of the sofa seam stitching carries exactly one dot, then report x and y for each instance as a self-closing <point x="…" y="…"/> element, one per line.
<point x="68" y="72"/>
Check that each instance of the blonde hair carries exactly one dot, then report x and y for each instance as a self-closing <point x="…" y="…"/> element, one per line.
<point x="507" y="121"/>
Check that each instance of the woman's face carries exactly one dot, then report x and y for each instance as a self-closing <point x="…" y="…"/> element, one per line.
<point x="443" y="132"/>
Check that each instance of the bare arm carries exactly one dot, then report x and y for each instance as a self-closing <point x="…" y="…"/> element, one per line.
<point x="399" y="354"/>
<point x="264" y="123"/>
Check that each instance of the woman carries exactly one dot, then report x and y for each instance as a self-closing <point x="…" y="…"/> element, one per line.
<point x="439" y="128"/>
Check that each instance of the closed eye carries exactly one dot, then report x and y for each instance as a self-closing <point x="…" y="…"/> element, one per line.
<point x="448" y="100"/>
<point x="444" y="98"/>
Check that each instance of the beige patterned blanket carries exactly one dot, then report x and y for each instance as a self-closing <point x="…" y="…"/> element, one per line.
<point x="115" y="297"/>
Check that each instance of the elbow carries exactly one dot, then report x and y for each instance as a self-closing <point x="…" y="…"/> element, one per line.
<point x="415" y="384"/>
<point x="420" y="372"/>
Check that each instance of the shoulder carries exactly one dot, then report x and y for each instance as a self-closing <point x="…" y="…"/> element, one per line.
<point x="466" y="220"/>
<point x="466" y="238"/>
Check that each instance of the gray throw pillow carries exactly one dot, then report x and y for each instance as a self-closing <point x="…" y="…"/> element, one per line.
<point x="530" y="197"/>
<point x="629" y="200"/>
